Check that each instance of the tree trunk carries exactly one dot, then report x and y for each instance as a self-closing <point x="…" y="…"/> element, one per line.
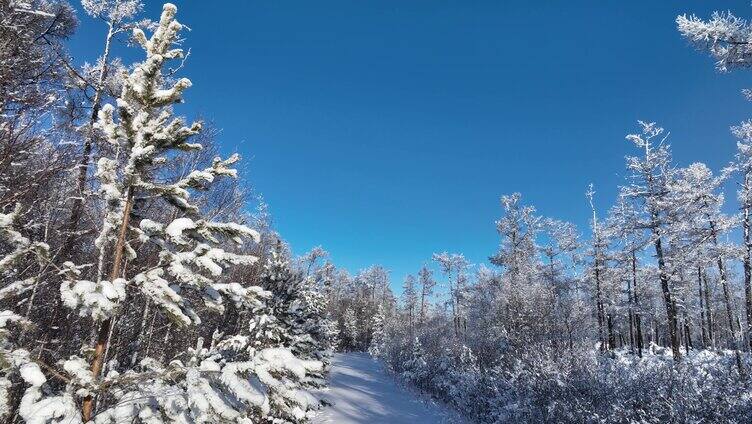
<point x="631" y="318"/>
<point x="411" y="318"/>
<point x="747" y="265"/>
<point x="454" y="306"/>
<point x="141" y="335"/>
<point x="727" y="301"/>
<point x="104" y="327"/>
<point x="638" y="324"/>
<point x="422" y="304"/>
<point x="599" y="304"/>
<point x="703" y="333"/>
<point x="667" y="299"/>
<point x="708" y="311"/>
<point x="687" y="334"/>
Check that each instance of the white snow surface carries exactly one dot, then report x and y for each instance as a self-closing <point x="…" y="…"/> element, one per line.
<point x="362" y="392"/>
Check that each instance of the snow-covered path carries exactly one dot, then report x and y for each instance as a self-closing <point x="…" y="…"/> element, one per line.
<point x="363" y="393"/>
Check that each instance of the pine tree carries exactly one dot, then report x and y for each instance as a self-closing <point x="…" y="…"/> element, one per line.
<point x="350" y="333"/>
<point x="379" y="339"/>
<point x="147" y="134"/>
<point x="416" y="368"/>
<point x="294" y="316"/>
<point x="560" y="252"/>
<point x="427" y="284"/>
<point x="410" y="300"/>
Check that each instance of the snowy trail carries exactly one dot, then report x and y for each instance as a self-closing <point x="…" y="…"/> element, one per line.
<point x="363" y="393"/>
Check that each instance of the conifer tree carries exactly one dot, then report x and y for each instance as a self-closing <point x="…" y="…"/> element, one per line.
<point x="427" y="284"/>
<point x="416" y="368"/>
<point x="379" y="339"/>
<point x="410" y="300"/>
<point x="350" y="333"/>
<point x="294" y="315"/>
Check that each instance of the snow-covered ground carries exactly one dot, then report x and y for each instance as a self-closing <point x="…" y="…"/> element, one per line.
<point x="361" y="392"/>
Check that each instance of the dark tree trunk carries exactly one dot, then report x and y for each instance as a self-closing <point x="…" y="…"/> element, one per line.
<point x="727" y="301"/>
<point x="637" y="315"/>
<point x="747" y="265"/>
<point x="708" y="311"/>
<point x="687" y="334"/>
<point x="631" y="317"/>
<point x="103" y="334"/>
<point x="703" y="332"/>
<point x="599" y="305"/>
<point x="668" y="301"/>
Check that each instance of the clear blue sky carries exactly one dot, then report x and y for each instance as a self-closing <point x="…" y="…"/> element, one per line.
<point x="387" y="130"/>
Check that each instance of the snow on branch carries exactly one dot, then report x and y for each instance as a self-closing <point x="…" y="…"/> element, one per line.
<point x="726" y="37"/>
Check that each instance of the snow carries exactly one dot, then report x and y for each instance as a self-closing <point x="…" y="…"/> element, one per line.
<point x="8" y="316"/>
<point x="78" y="369"/>
<point x="175" y="229"/>
<point x="361" y="392"/>
<point x="98" y="300"/>
<point x="31" y="374"/>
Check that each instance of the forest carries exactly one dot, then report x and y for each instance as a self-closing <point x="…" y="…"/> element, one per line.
<point x="142" y="280"/>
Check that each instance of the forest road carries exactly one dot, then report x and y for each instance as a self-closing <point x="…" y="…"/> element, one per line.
<point x="361" y="392"/>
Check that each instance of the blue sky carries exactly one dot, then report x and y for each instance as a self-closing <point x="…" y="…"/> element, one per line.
<point x="387" y="130"/>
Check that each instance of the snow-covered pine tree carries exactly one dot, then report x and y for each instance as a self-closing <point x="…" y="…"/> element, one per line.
<point x="523" y="294"/>
<point x="379" y="338"/>
<point x="293" y="316"/>
<point x="427" y="284"/>
<point x="315" y="290"/>
<point x="269" y="328"/>
<point x="416" y="368"/>
<point x="145" y="134"/>
<point x="410" y="300"/>
<point x="518" y="228"/>
<point x="560" y="252"/>
<point x="349" y="332"/>
<point x="226" y="382"/>
<point x="322" y="299"/>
